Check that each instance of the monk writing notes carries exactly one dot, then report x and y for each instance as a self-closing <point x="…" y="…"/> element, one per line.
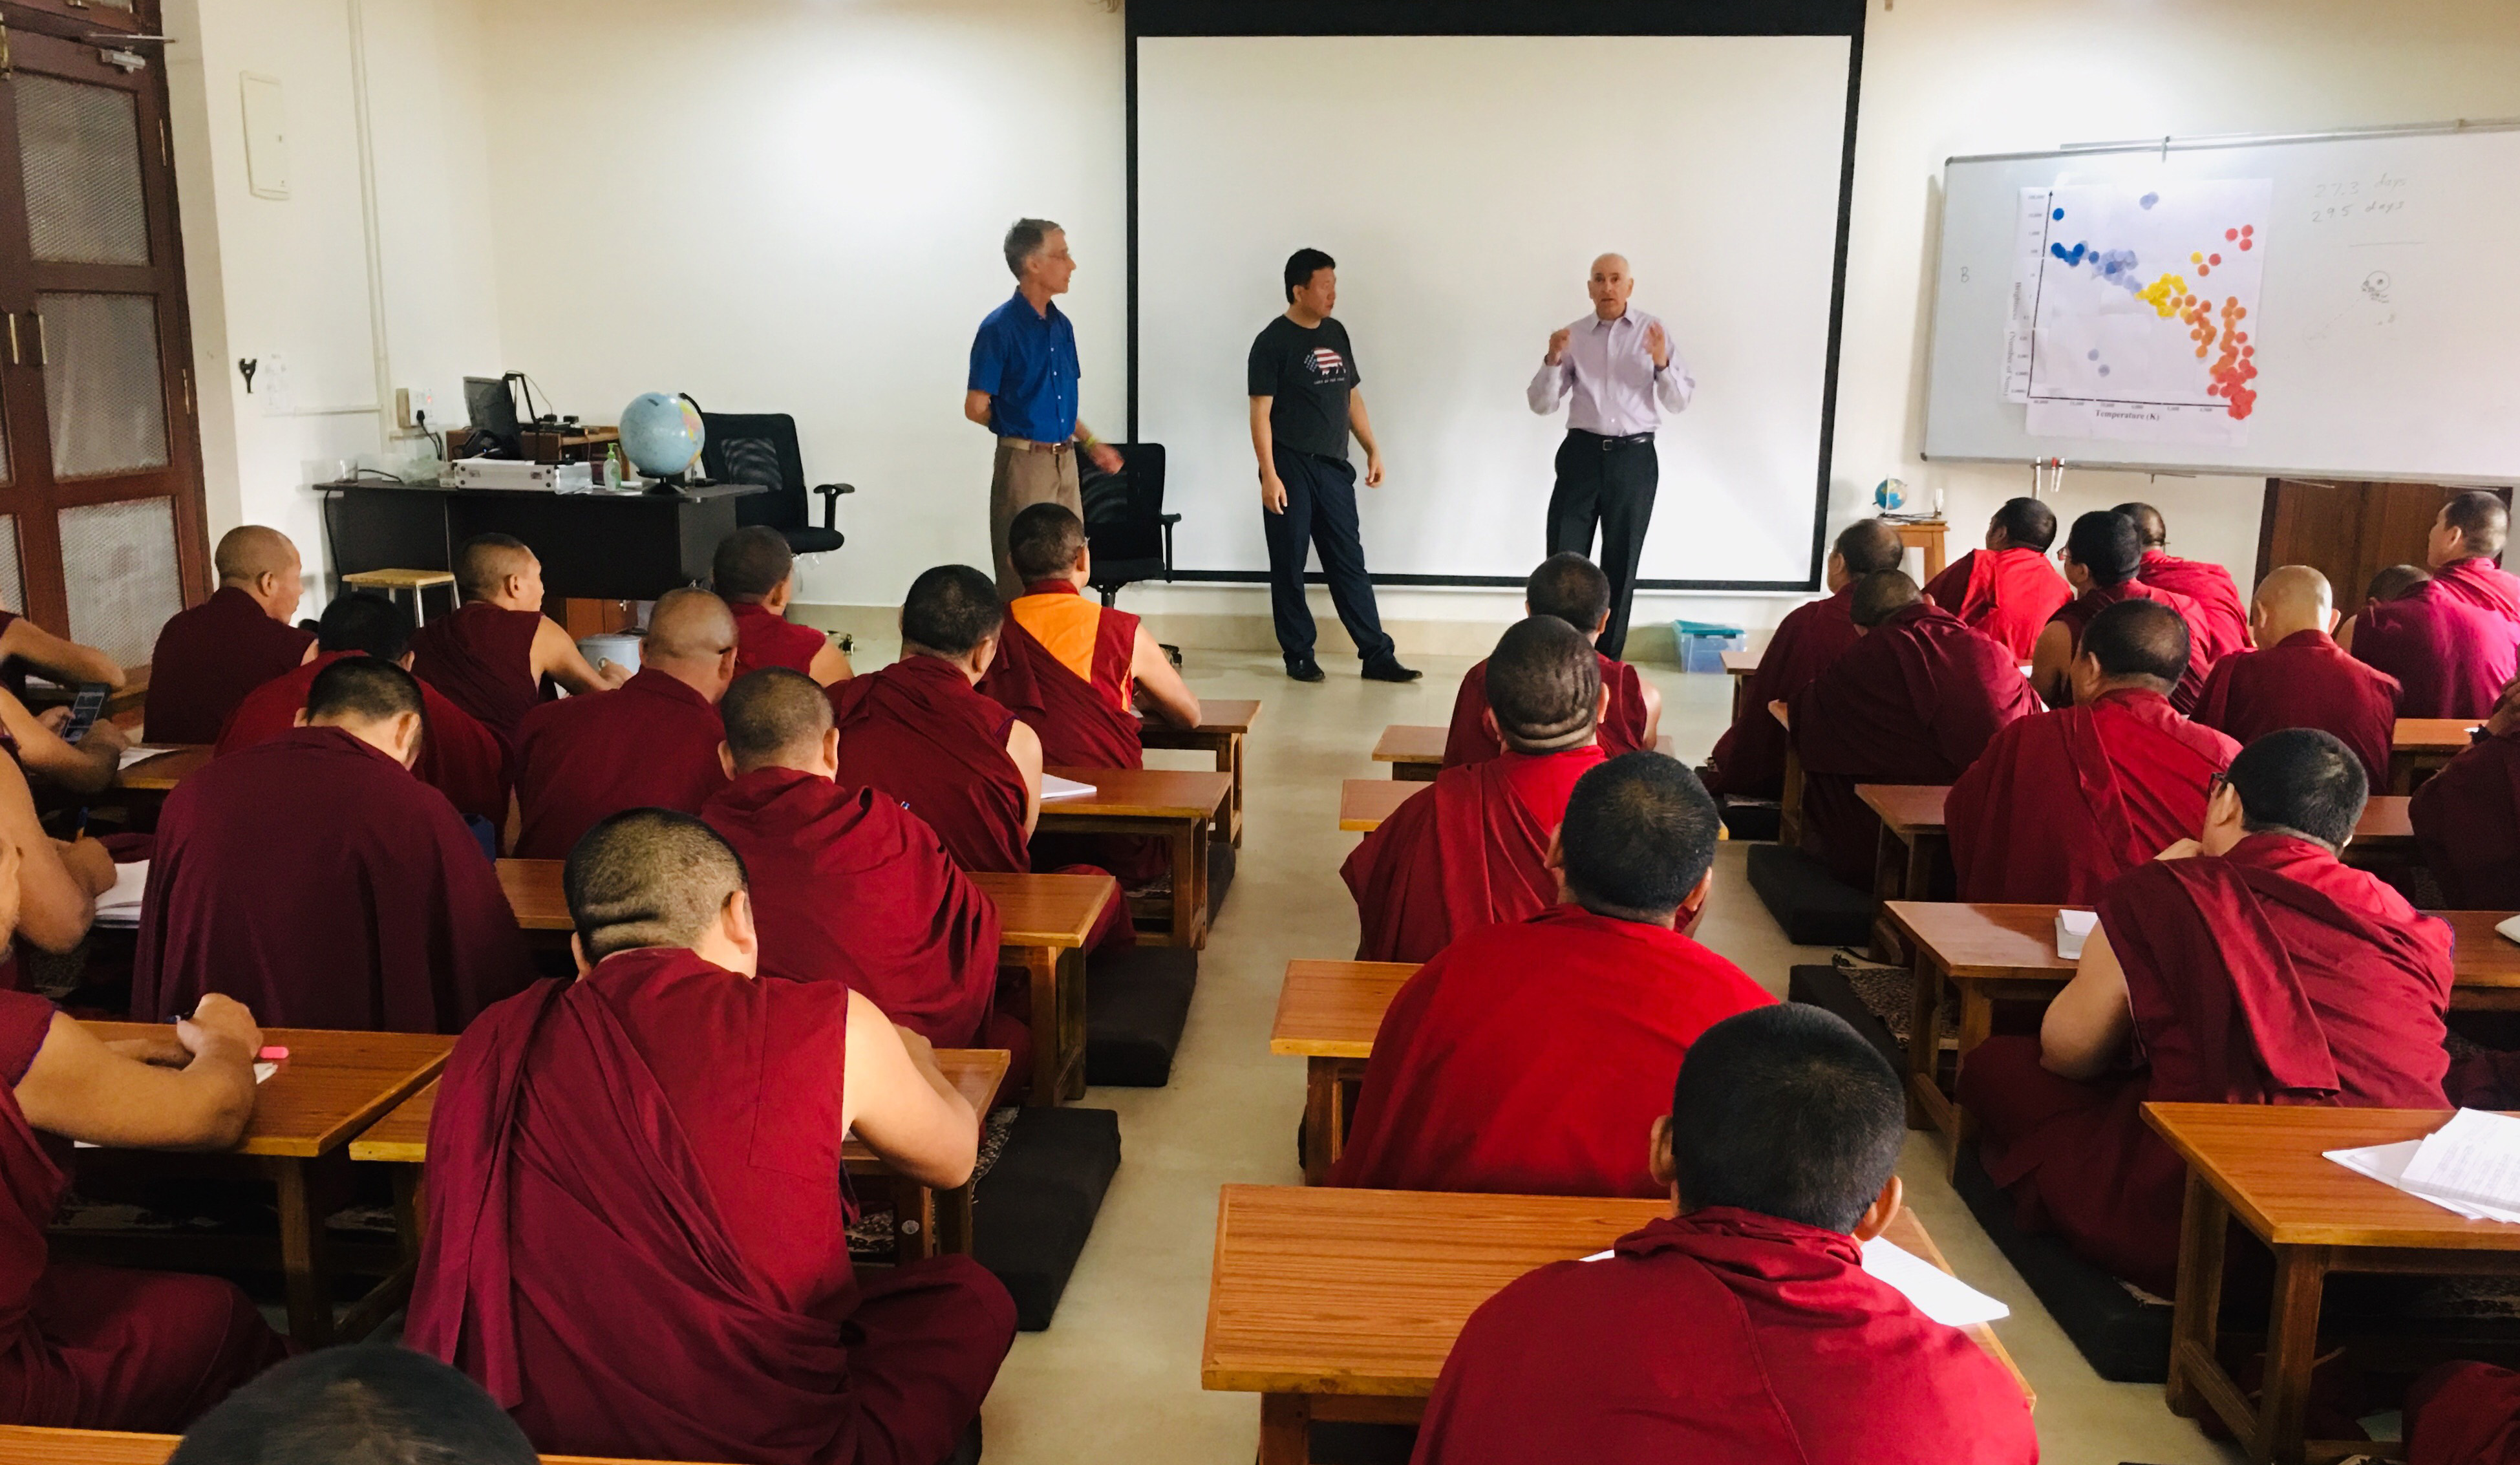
<point x="2467" y="816"/>
<point x="2102" y="556"/>
<point x="636" y="1226"/>
<point x="1913" y="701"/>
<point x="2220" y="623"/>
<point x="1526" y="1058"/>
<point x="314" y="874"/>
<point x="755" y="574"/>
<point x="2467" y="539"/>
<point x="373" y="1401"/>
<point x="1750" y="759"/>
<point x="491" y="656"/>
<point x="651" y="743"/>
<point x="1573" y="589"/>
<point x="1473" y="849"/>
<point x="208" y="658"/>
<point x="2008" y="589"/>
<point x="2248" y="966"/>
<point x="1742" y="1329"/>
<point x="2450" y="657"/>
<point x="2060" y="803"/>
<point x="2298" y="677"/>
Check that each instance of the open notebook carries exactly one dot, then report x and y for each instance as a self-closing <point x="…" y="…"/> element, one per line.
<point x="120" y="905"/>
<point x="1055" y="787"/>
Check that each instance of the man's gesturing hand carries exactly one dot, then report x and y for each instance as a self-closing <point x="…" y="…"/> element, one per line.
<point x="1558" y="344"/>
<point x="1657" y="346"/>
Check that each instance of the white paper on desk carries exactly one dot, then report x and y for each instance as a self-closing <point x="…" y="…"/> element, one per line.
<point x="262" y="1072"/>
<point x="1937" y="1294"/>
<point x="2508" y="930"/>
<point x="1055" y="787"/>
<point x="2474" y="1159"/>
<point x="120" y="905"/>
<point x="2073" y="927"/>
<point x="139" y="754"/>
<point x="2387" y="1163"/>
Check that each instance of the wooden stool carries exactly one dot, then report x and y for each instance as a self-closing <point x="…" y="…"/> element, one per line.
<point x="1925" y="535"/>
<point x="393" y="581"/>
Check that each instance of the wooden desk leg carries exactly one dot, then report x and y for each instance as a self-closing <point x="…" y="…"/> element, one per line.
<point x="1040" y="968"/>
<point x="1230" y="762"/>
<point x="1285" y="1429"/>
<point x="408" y="1209"/>
<point x="2292" y="1346"/>
<point x="2401" y="773"/>
<point x="1977" y="1021"/>
<point x="1320" y="1119"/>
<point x="1919" y="884"/>
<point x="913" y="1220"/>
<point x="951" y="1229"/>
<point x="2202" y="1226"/>
<point x="1070" y="982"/>
<point x="1924" y="1035"/>
<point x="1189" y="875"/>
<point x="301" y="1256"/>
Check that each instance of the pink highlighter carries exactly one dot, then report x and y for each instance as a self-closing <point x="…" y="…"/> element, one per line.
<point x="271" y="1055"/>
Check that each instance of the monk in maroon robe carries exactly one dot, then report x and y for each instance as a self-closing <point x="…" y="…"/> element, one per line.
<point x="2450" y="657"/>
<point x="1744" y="1329"/>
<point x="2102" y="556"/>
<point x="459" y="757"/>
<point x="208" y="658"/>
<point x="54" y="885"/>
<point x="2221" y="622"/>
<point x="492" y="656"/>
<point x="313" y="874"/>
<point x="1915" y="701"/>
<point x="2467" y="816"/>
<point x="2060" y="803"/>
<point x="1750" y="759"/>
<point x="27" y="647"/>
<point x="2009" y="589"/>
<point x="2248" y="966"/>
<point x="2302" y="678"/>
<point x="2465" y="542"/>
<point x="1526" y="1058"/>
<point x="1573" y="589"/>
<point x="635" y="1233"/>
<point x="1473" y="849"/>
<point x="755" y="574"/>
<point x="2463" y="1415"/>
<point x="651" y="743"/>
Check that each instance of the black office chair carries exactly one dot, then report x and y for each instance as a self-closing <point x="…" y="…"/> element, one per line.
<point x="760" y="447"/>
<point x="1125" y="522"/>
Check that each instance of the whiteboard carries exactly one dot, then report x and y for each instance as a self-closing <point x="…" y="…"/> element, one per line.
<point x="2388" y="325"/>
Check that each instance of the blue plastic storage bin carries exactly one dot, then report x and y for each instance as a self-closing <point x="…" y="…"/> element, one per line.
<point x="1702" y="644"/>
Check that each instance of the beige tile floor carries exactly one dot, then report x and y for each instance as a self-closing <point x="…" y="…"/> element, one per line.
<point x="1116" y="1376"/>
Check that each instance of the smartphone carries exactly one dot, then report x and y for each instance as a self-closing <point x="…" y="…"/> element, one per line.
<point x="83" y="711"/>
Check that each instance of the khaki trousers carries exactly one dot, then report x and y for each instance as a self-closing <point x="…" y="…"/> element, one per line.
<point x="1024" y="476"/>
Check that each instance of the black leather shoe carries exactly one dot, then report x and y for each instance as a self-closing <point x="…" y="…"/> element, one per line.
<point x="1305" y="671"/>
<point x="1389" y="671"/>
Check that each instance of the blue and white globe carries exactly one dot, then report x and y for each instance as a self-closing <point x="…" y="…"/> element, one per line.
<point x="1890" y="495"/>
<point x="661" y="434"/>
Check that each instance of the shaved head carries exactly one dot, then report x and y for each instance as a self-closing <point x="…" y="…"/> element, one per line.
<point x="688" y="625"/>
<point x="250" y="551"/>
<point x="366" y="621"/>
<point x="2295" y="593"/>
<point x="1600" y="262"/>
<point x="2397" y="582"/>
<point x="751" y="562"/>
<point x="950" y="611"/>
<point x="647" y="877"/>
<point x="775" y="718"/>
<point x="1881" y="595"/>
<point x="1638" y="836"/>
<point x="355" y="690"/>
<point x="1045" y="542"/>
<point x="2481" y="520"/>
<point x="486" y="561"/>
<point x="2138" y="641"/>
<point x="1571" y="588"/>
<point x="1543" y="685"/>
<point x="1869" y="546"/>
<point x="2105" y="542"/>
<point x="2026" y="524"/>
<point x="369" y="1404"/>
<point x="2149" y="528"/>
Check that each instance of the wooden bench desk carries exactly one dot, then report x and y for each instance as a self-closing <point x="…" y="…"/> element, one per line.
<point x="1343" y="1304"/>
<point x="1171" y="804"/>
<point x="1415" y="754"/>
<point x="535" y="893"/>
<point x="2422" y="744"/>
<point x="1327" y="1014"/>
<point x="160" y="774"/>
<point x="1365" y="802"/>
<point x="28" y="1445"/>
<point x="1739" y="665"/>
<point x="1222" y="726"/>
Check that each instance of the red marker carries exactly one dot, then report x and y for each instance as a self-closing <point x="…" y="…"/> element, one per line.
<point x="271" y="1055"/>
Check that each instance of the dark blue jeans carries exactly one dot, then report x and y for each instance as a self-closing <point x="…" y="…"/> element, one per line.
<point x="1320" y="514"/>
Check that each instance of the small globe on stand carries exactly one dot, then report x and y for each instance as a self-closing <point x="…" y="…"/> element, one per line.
<point x="1890" y="495"/>
<point x="661" y="434"/>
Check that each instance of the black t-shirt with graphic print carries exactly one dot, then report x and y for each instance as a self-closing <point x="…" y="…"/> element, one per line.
<point x="1308" y="375"/>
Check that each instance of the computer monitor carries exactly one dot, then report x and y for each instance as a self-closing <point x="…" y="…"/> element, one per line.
<point x="491" y="404"/>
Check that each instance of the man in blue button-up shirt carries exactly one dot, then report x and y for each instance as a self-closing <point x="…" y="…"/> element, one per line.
<point x="1023" y="388"/>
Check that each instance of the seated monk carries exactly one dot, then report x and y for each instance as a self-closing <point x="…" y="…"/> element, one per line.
<point x="2299" y="677"/>
<point x="26" y="646"/>
<point x="756" y="574"/>
<point x="459" y="757"/>
<point x="104" y="1347"/>
<point x="54" y="883"/>
<point x="2467" y="816"/>
<point x="650" y="743"/>
<point x="636" y="1228"/>
<point x="1750" y="759"/>
<point x="2465" y="541"/>
<point x="1573" y="589"/>
<point x="2246" y="966"/>
<point x="2007" y="590"/>
<point x="372" y="1403"/>
<point x="1473" y="849"/>
<point x="491" y="656"/>
<point x="87" y="767"/>
<point x="1743" y="1329"/>
<point x="2102" y="556"/>
<point x="2060" y="803"/>
<point x="2220" y="625"/>
<point x="208" y="658"/>
<point x="1527" y="1057"/>
<point x="315" y="875"/>
<point x="2450" y="657"/>
<point x="2463" y="1414"/>
<point x="1913" y="701"/>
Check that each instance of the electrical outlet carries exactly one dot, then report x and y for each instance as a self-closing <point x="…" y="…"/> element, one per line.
<point x="412" y="401"/>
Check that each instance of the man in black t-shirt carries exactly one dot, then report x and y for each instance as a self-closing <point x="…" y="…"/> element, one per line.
<point x="1304" y="404"/>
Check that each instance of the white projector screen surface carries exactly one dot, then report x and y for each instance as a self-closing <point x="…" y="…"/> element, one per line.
<point x="1465" y="185"/>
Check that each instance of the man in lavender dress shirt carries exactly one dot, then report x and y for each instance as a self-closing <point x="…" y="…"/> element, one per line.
<point x="1619" y="368"/>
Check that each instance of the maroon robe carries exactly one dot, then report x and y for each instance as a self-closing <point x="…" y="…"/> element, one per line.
<point x="1526" y="1058"/>
<point x="314" y="880"/>
<point x="2079" y="612"/>
<point x="651" y="743"/>
<point x="2009" y="594"/>
<point x="2450" y="658"/>
<point x="1724" y="1337"/>
<point x="1466" y="851"/>
<point x="2484" y="584"/>
<point x="2464" y="1414"/>
<point x="100" y="1348"/>
<point x="1622" y="731"/>
<point x="1083" y="722"/>
<point x="2305" y="681"/>
<point x="2467" y="824"/>
<point x="483" y="657"/>
<point x="1750" y="759"/>
<point x="636" y="1232"/>
<point x="918" y="731"/>
<point x="2062" y="803"/>
<point x="762" y="639"/>
<point x="205" y="660"/>
<point x="1915" y="701"/>
<point x="459" y="757"/>
<point x="2221" y="623"/>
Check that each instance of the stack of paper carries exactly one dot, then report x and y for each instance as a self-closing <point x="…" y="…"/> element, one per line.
<point x="1055" y="787"/>
<point x="2470" y="1166"/>
<point x="2073" y="927"/>
<point x="139" y="753"/>
<point x="1937" y="1294"/>
<point x="120" y="905"/>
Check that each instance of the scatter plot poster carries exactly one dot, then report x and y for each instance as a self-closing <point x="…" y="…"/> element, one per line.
<point x="2134" y="309"/>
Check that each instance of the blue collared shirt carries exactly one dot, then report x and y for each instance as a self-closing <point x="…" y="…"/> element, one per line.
<point x="1027" y="362"/>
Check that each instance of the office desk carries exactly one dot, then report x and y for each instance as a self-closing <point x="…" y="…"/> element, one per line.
<point x="1167" y="803"/>
<point x="593" y="546"/>
<point x="1222" y="727"/>
<point x="1327" y="1015"/>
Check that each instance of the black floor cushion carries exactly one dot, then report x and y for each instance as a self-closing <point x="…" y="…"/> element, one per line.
<point x="1136" y="1004"/>
<point x="1811" y="907"/>
<point x="1034" y="1211"/>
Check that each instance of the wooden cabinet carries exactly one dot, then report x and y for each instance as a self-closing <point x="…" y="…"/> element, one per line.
<point x="2348" y="531"/>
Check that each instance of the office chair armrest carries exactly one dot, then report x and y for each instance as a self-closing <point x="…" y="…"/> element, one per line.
<point x="831" y="501"/>
<point x="1168" y="520"/>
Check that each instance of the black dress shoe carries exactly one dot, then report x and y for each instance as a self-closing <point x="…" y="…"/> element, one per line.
<point x="1389" y="671"/>
<point x="1305" y="671"/>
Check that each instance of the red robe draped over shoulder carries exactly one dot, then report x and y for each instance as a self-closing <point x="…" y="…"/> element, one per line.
<point x="1078" y="696"/>
<point x="2484" y="584"/>
<point x="2467" y="824"/>
<point x="459" y="757"/>
<point x="1527" y="1057"/>
<point x="2063" y="802"/>
<point x="483" y="657"/>
<point x="2464" y="1414"/>
<point x="1622" y="731"/>
<point x="636" y="1232"/>
<point x="207" y="659"/>
<point x="100" y="1348"/>
<point x="2079" y="612"/>
<point x="2450" y="658"/>
<point x="2221" y="623"/>
<point x="2009" y="594"/>
<point x="918" y="732"/>
<point x="2272" y="975"/>
<point x="1750" y="759"/>
<point x="2305" y="681"/>
<point x="650" y="743"/>
<point x="1724" y="1337"/>
<point x="1465" y="851"/>
<point x="1915" y="701"/>
<point x="313" y="879"/>
<point x="762" y="639"/>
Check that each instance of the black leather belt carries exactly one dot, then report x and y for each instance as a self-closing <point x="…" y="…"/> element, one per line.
<point x="1607" y="443"/>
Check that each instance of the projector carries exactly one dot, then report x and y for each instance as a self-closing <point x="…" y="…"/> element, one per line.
<point x="497" y="473"/>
